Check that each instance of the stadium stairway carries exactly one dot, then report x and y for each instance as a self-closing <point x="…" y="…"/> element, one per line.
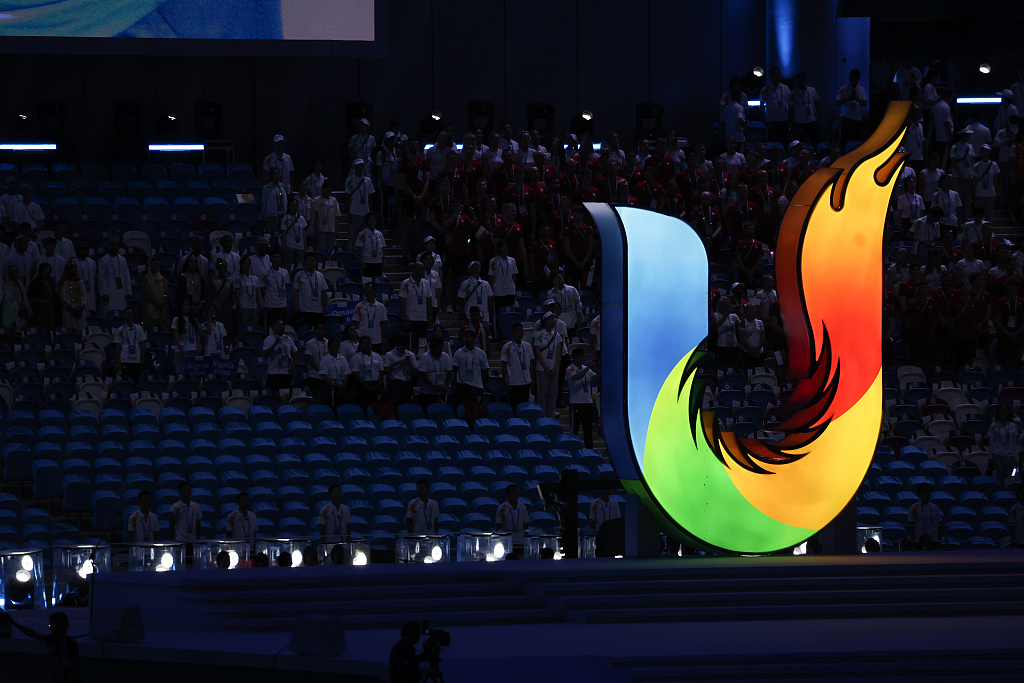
<point x="955" y="584"/>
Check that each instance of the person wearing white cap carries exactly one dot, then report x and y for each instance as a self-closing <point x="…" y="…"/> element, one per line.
<point x="281" y="161"/>
<point x="362" y="144"/>
<point x="516" y="359"/>
<point x="804" y="103"/>
<point x="359" y="188"/>
<point x="547" y="345"/>
<point x="475" y="292"/>
<point x="986" y="179"/>
<point x="1007" y="114"/>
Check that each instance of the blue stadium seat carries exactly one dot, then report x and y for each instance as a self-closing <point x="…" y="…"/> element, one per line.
<point x="517" y="427"/>
<point x="499" y="411"/>
<point x="487" y="427"/>
<point x="354" y="444"/>
<point x="46" y="479"/>
<point x="445" y="443"/>
<point x="450" y="474"/>
<point x="416" y="444"/>
<point x="395" y="429"/>
<point x="331" y="429"/>
<point x="434" y="460"/>
<point x="545" y="473"/>
<point x="549" y="427"/>
<point x="537" y="442"/>
<point x="497" y="458"/>
<point x="78" y="490"/>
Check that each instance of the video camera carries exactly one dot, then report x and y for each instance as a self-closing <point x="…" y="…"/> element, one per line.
<point x="436" y="641"/>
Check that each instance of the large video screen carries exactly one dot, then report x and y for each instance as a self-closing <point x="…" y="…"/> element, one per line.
<point x="340" y="20"/>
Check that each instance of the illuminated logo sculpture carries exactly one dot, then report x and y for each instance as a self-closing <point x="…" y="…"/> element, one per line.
<point x="714" y="489"/>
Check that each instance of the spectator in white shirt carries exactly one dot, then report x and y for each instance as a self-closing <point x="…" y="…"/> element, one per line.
<point x="910" y="204"/>
<point x="400" y="367"/>
<point x="282" y="162"/>
<point x="733" y="118"/>
<point x="948" y="200"/>
<point x="213" y="332"/>
<point x="370" y="247"/>
<point x="359" y="187"/>
<point x="435" y="373"/>
<point x="503" y="271"/>
<point x="602" y="510"/>
<point x="113" y="281"/>
<point x="923" y="518"/>
<point x="853" y="98"/>
<point x="568" y="298"/>
<point x="310" y="293"/>
<point x="471" y="368"/>
<point x="513" y="516"/>
<point x="986" y="180"/>
<point x="275" y="290"/>
<point x="942" y="122"/>
<point x="293" y="235"/>
<point x="325" y="217"/>
<point x="335" y="520"/>
<point x="961" y="159"/>
<point x="548" y="348"/>
<point x="315" y="352"/>
<point x="315" y="180"/>
<point x="516" y="360"/>
<point x="421" y="516"/>
<point x="803" y="101"/>
<point x="186" y="516"/>
<point x="475" y="292"/>
<point x="279" y="350"/>
<point x="581" y="400"/>
<point x="734" y="160"/>
<point x="367" y="368"/>
<point x="241" y="523"/>
<point x="26" y="211"/>
<point x="9" y="200"/>
<point x="371" y="316"/>
<point x="334" y="372"/>
<point x="131" y="346"/>
<point x="86" y="271"/>
<point x="416" y="296"/>
<point x="247" y="294"/>
<point x="50" y="256"/>
<point x="362" y="144"/>
<point x="275" y="200"/>
<point x="775" y="100"/>
<point x="143" y="524"/>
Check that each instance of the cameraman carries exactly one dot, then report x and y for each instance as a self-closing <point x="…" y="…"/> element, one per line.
<point x="404" y="663"/>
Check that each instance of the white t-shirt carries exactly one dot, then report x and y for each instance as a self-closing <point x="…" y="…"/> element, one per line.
<point x="914" y="142"/>
<point x="1001" y="438"/>
<point x="249" y="289"/>
<point x="131" y="341"/>
<point x="476" y="293"/>
<point x="753" y="331"/>
<point x="369" y="317"/>
<point x="315" y="183"/>
<point x="359" y="191"/>
<point x="336" y="520"/>
<point x="546" y="344"/>
<point x="514" y="519"/>
<point x="214" y="338"/>
<point x="294" y="229"/>
<point x="727" y="331"/>
<point x="188" y="337"/>
<point x="372" y="244"/>
<point x="276" y="294"/>
<point x="503" y="271"/>
<point x="284" y="163"/>
<point x="803" y="103"/>
<point x="434" y="369"/>
<point x="910" y="206"/>
<point x="572" y="307"/>
<point x="416" y="295"/>
<point x="326" y="212"/>
<point x="311" y="288"/>
<point x="401" y="373"/>
<point x="853" y="109"/>
<point x="185" y="524"/>
<point x="776" y="102"/>
<point x="334" y="367"/>
<point x="928" y="181"/>
<point x="601" y="512"/>
<point x="731" y="116"/>
<point x="317" y="350"/>
<point x="279" y="360"/>
<point x="925" y="519"/>
<point x="369" y="367"/>
<point x="734" y="163"/>
<point x="962" y="157"/>
<point x="949" y="202"/>
<point x="580" y="389"/>
<point x="518" y="358"/>
<point x="423" y="515"/>
<point x="595" y="333"/>
<point x="985" y="172"/>
<point x="241" y="527"/>
<point x="143" y="528"/>
<point x="472" y="366"/>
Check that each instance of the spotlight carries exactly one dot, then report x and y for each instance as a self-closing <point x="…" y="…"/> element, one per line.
<point x="427" y="560"/>
<point x="166" y="561"/>
<point x="232" y="559"/>
<point x="499" y="550"/>
<point x="23" y="117"/>
<point x="359" y="559"/>
<point x="86" y="569"/>
<point x="985" y="68"/>
<point x="435" y="553"/>
<point x="436" y="115"/>
<point x="27" y="564"/>
<point x="23" y="576"/>
<point x="296" y="558"/>
<point x="759" y="71"/>
<point x="587" y="115"/>
<point x="172" y="118"/>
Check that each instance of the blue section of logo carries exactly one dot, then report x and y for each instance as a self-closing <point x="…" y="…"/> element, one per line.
<point x="652" y="323"/>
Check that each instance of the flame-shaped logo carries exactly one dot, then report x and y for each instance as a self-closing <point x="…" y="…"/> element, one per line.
<point x="713" y="488"/>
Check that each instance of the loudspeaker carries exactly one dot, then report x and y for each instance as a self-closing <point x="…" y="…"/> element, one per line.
<point x="117" y="625"/>
<point x="318" y="635"/>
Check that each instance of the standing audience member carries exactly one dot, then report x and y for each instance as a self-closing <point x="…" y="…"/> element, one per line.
<point x="581" y="400"/>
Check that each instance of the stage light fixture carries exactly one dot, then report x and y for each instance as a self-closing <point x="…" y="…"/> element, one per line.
<point x="436" y="115"/>
<point x="435" y="553"/>
<point x="985" y="68"/>
<point x="758" y="71"/>
<point x="86" y="569"/>
<point x="27" y="564"/>
<point x="172" y="118"/>
<point x="166" y="561"/>
<point x="499" y="550"/>
<point x="587" y="115"/>
<point x="23" y="117"/>
<point x="232" y="559"/>
<point x="23" y="575"/>
<point x="296" y="558"/>
<point x="359" y="559"/>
